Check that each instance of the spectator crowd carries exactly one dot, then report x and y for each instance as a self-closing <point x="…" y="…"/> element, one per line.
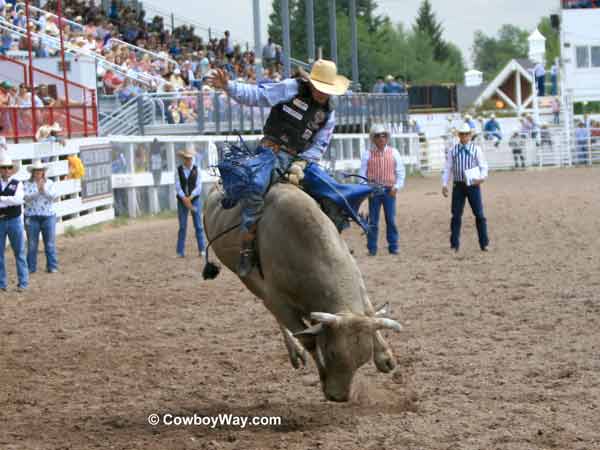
<point x="138" y="55"/>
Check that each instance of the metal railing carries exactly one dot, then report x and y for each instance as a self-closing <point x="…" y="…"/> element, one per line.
<point x="20" y="122"/>
<point x="78" y="117"/>
<point x="551" y="147"/>
<point x="215" y="112"/>
<point x="81" y="28"/>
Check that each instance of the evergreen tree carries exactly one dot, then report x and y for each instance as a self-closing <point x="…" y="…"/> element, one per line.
<point x="427" y="24"/>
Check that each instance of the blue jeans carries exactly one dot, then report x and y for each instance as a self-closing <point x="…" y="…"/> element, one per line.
<point x="182" y="215"/>
<point x="47" y="225"/>
<point x="389" y="210"/>
<point x="13" y="228"/>
<point x="554" y="85"/>
<point x="541" y="85"/>
<point x="253" y="202"/>
<point x="460" y="193"/>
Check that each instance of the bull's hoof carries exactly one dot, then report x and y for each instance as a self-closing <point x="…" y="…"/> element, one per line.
<point x="384" y="361"/>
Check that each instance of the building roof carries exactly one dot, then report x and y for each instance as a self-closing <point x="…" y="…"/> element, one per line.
<point x="536" y="36"/>
<point x="522" y="65"/>
<point x="466" y="95"/>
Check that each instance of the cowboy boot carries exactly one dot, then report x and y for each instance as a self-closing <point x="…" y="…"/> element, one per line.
<point x="247" y="255"/>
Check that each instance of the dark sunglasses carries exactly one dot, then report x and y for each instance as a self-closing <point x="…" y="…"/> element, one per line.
<point x="380" y="135"/>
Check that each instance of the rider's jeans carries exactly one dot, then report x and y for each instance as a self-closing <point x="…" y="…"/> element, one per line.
<point x="253" y="202"/>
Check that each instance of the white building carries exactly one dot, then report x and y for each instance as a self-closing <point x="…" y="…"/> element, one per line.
<point x="580" y="51"/>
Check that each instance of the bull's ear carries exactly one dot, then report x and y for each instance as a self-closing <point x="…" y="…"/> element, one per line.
<point x="383" y="310"/>
<point x="310" y="331"/>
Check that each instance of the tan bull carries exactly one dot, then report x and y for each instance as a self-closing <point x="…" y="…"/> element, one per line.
<point x="312" y="285"/>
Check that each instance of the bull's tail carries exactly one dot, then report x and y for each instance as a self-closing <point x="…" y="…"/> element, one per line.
<point x="211" y="270"/>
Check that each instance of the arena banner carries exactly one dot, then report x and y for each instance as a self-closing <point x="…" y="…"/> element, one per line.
<point x="97" y="182"/>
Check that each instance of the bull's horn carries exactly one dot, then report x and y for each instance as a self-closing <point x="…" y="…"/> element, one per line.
<point x="383" y="323"/>
<point x="311" y="331"/>
<point x="383" y="310"/>
<point x="325" y="318"/>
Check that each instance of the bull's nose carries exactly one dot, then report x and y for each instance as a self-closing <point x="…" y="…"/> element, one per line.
<point x="336" y="397"/>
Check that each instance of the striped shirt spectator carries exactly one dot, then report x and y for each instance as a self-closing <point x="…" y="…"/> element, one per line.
<point x="383" y="166"/>
<point x="460" y="158"/>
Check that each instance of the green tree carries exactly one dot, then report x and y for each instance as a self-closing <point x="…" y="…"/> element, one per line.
<point x="552" y="40"/>
<point x="491" y="54"/>
<point x="383" y="48"/>
<point x="427" y="23"/>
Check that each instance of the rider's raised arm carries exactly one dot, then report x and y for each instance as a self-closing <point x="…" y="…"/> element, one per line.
<point x="321" y="141"/>
<point x="268" y="94"/>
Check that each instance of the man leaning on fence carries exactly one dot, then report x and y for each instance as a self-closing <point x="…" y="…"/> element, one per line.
<point x="11" y="220"/>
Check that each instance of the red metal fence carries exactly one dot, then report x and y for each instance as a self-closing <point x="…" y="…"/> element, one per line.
<point x="77" y="117"/>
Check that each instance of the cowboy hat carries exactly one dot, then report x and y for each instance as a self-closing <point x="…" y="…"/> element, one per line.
<point x="464" y="129"/>
<point x="389" y="78"/>
<point x="5" y="160"/>
<point x="187" y="153"/>
<point x="37" y="165"/>
<point x="325" y="79"/>
<point x="378" y="128"/>
<point x="45" y="130"/>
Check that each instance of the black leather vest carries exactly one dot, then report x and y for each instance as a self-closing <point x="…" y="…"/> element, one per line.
<point x="187" y="186"/>
<point x="295" y="123"/>
<point x="10" y="212"/>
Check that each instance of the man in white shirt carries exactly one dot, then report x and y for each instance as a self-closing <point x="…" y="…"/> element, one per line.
<point x="11" y="222"/>
<point x="382" y="164"/>
<point x="462" y="157"/>
<point x="540" y="78"/>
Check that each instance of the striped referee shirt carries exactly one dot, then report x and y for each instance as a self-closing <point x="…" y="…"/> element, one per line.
<point x="460" y="158"/>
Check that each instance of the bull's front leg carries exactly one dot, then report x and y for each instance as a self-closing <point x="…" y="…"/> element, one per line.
<point x="289" y="322"/>
<point x="296" y="351"/>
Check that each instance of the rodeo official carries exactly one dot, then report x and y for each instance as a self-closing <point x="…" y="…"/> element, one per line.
<point x="300" y="123"/>
<point x="463" y="158"/>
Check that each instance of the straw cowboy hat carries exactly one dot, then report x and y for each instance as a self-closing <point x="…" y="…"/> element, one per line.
<point x="325" y="79"/>
<point x="378" y="128"/>
<point x="389" y="78"/>
<point x="464" y="129"/>
<point x="45" y="130"/>
<point x="37" y="165"/>
<point x="187" y="153"/>
<point x="5" y="160"/>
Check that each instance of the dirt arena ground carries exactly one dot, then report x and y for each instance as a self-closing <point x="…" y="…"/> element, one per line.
<point x="500" y="350"/>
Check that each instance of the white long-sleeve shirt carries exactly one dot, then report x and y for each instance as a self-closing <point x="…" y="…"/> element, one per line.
<point x="399" y="170"/>
<point x="186" y="173"/>
<point x="271" y="94"/>
<point x="460" y="158"/>
<point x="11" y="200"/>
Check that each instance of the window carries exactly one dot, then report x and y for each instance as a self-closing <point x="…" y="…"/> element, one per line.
<point x="583" y="57"/>
<point x="596" y="56"/>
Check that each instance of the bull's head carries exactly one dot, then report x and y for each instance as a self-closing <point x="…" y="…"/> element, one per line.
<point x="340" y="345"/>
